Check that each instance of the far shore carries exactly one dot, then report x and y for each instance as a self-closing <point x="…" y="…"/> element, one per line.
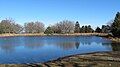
<point x="42" y="34"/>
<point x="105" y="35"/>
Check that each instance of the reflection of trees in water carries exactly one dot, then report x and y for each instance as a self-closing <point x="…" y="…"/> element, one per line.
<point x="8" y="44"/>
<point x="33" y="44"/>
<point x="107" y="46"/>
<point x="77" y="45"/>
<point x="90" y="39"/>
<point x="114" y="46"/>
<point x="68" y="45"/>
<point x="86" y="43"/>
<point x="8" y="47"/>
<point x="63" y="42"/>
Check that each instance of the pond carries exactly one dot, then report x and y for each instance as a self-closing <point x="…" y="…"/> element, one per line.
<point x="34" y="49"/>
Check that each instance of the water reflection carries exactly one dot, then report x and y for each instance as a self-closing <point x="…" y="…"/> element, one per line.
<point x="77" y="45"/>
<point x="9" y="44"/>
<point x="33" y="43"/>
<point x="8" y="48"/>
<point x="66" y="45"/>
<point x="51" y="46"/>
<point x="107" y="46"/>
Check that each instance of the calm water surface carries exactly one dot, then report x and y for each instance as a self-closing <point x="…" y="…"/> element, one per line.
<point x="44" y="48"/>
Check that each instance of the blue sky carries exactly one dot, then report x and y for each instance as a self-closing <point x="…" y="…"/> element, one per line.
<point x="93" y="12"/>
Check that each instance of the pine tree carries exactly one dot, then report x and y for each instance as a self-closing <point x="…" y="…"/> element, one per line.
<point x="105" y="29"/>
<point x="115" y="27"/>
<point x="48" y="31"/>
<point x="98" y="30"/>
<point x="90" y="30"/>
<point x="77" y="27"/>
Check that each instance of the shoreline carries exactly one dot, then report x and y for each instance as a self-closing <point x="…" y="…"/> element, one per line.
<point x="87" y="59"/>
<point x="112" y="38"/>
<point x="99" y="59"/>
<point x="42" y="34"/>
<point x="104" y="35"/>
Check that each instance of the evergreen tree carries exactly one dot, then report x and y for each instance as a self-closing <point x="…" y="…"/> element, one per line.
<point x="49" y="30"/>
<point x="98" y="30"/>
<point x="115" y="27"/>
<point x="105" y="29"/>
<point x="86" y="29"/>
<point x="90" y="30"/>
<point x="77" y="27"/>
<point x="82" y="29"/>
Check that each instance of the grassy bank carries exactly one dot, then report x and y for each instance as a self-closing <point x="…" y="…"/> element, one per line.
<point x="42" y="34"/>
<point x="11" y="35"/>
<point x="97" y="59"/>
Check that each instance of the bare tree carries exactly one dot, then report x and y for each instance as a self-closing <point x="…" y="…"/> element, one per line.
<point x="9" y="26"/>
<point x="28" y="27"/>
<point x="39" y="27"/>
<point x="34" y="27"/>
<point x="17" y="28"/>
<point x="64" y="27"/>
<point x="6" y="26"/>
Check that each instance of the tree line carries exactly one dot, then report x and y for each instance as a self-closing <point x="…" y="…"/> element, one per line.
<point x="62" y="27"/>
